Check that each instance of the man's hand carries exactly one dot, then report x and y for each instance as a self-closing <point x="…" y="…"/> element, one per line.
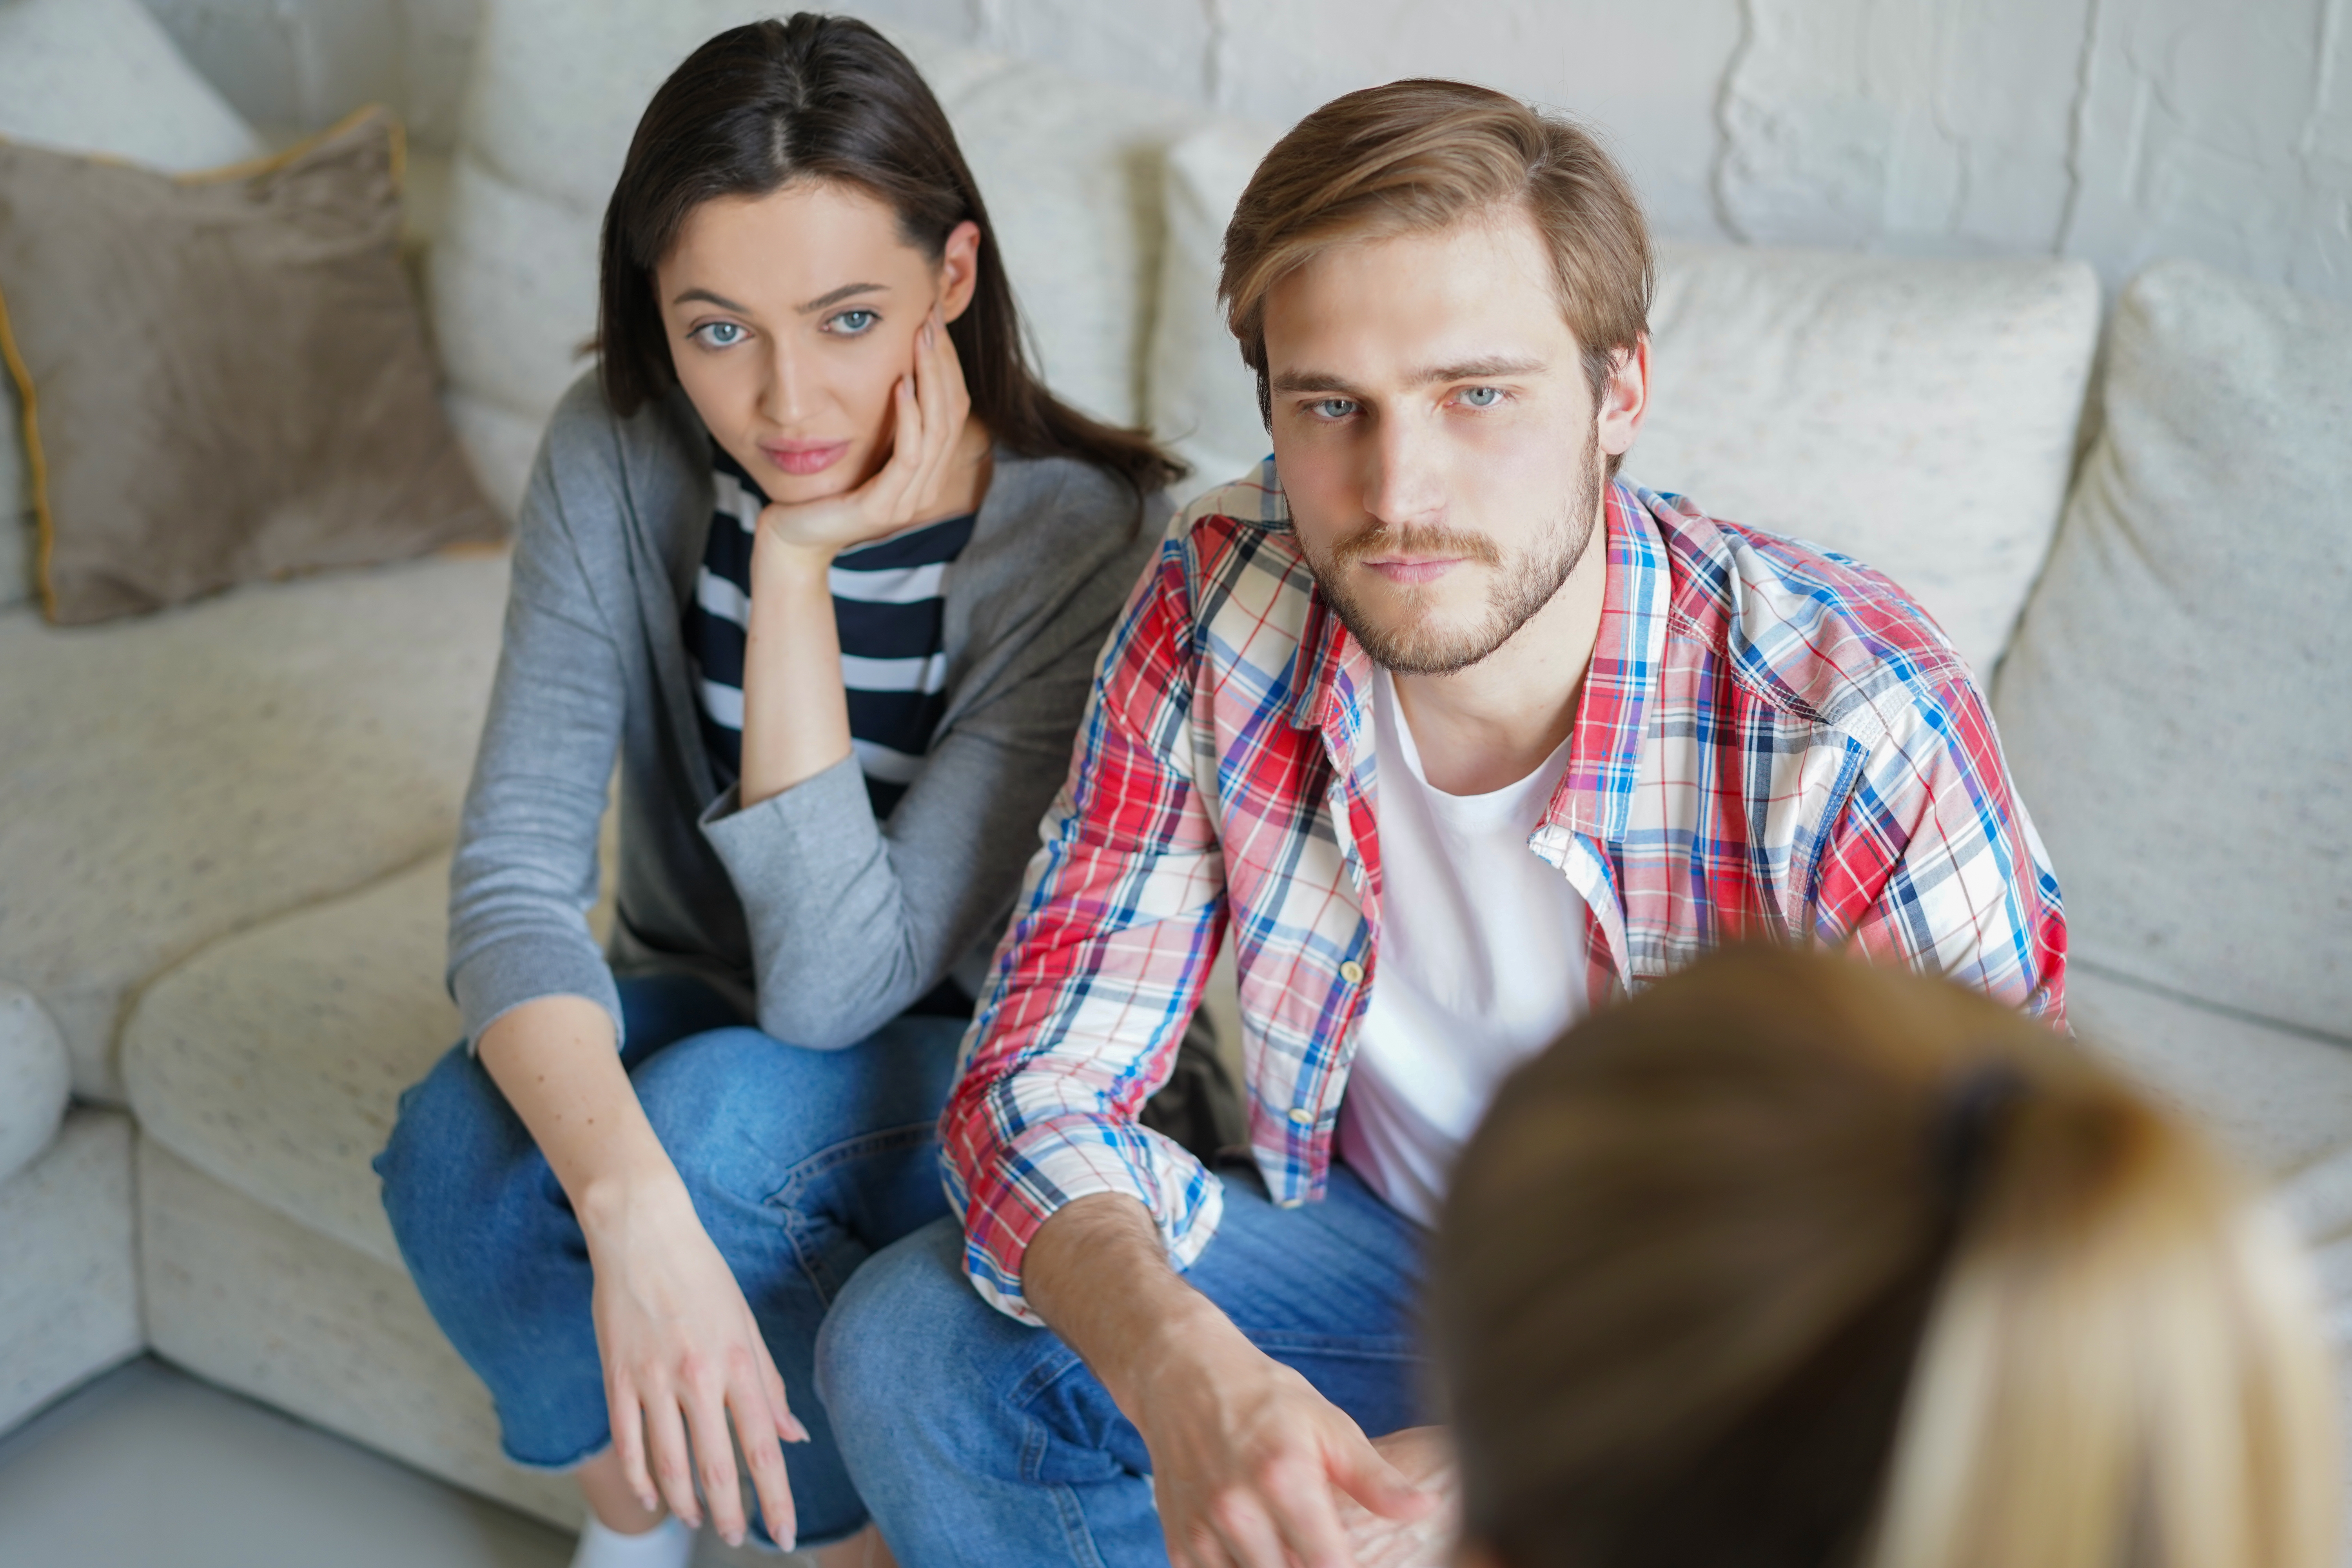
<point x="1249" y="1463"/>
<point x="1423" y="1456"/>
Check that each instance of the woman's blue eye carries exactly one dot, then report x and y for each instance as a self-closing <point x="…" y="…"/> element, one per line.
<point x="849" y="323"/>
<point x="719" y="334"/>
<point x="1482" y="396"/>
<point x="1332" y="407"/>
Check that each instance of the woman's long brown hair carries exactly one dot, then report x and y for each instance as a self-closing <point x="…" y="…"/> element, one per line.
<point x="826" y="98"/>
<point x="1794" y="1261"/>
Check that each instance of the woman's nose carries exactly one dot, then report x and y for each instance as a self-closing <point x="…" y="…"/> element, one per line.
<point x="783" y="399"/>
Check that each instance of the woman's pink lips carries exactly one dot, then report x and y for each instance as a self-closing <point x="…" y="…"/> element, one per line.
<point x="804" y="457"/>
<point x="1411" y="571"/>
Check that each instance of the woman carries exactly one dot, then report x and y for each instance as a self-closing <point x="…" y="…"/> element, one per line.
<point x="1795" y="1263"/>
<point x="827" y="568"/>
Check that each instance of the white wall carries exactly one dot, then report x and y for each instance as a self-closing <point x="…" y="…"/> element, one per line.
<point x="2117" y="130"/>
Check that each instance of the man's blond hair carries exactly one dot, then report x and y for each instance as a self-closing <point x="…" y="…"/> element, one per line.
<point x="1417" y="156"/>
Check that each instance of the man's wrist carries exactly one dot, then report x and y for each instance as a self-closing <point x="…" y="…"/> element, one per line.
<point x="1186" y="1337"/>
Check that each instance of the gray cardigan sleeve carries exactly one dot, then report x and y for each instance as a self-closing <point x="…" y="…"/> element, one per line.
<point x="525" y="871"/>
<point x="852" y="921"/>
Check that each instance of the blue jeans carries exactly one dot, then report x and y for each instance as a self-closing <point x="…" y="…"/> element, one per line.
<point x="976" y="1439"/>
<point x="800" y="1164"/>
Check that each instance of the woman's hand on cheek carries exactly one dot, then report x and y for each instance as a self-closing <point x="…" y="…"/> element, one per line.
<point x="931" y="407"/>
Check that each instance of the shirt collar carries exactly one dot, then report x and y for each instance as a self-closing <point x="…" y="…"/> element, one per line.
<point x="1332" y="677"/>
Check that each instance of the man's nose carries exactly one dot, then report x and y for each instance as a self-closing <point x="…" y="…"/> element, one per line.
<point x="1404" y="478"/>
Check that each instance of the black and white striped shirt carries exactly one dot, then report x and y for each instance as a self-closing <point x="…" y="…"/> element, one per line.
<point x="889" y="609"/>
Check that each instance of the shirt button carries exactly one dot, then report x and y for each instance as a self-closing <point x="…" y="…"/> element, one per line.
<point x="1352" y="973"/>
<point x="1303" y="1117"/>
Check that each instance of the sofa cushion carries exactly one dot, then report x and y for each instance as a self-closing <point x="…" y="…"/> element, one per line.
<point x="250" y="1300"/>
<point x="1069" y="169"/>
<point x="2176" y="709"/>
<point x="36" y="1079"/>
<point x="95" y="76"/>
<point x="274" y="1061"/>
<point x="170" y="780"/>
<point x="1918" y="414"/>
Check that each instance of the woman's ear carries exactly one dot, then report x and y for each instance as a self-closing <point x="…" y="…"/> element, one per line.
<point x="959" y="269"/>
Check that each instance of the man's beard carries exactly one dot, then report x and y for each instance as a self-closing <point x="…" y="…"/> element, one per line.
<point x="1523" y="583"/>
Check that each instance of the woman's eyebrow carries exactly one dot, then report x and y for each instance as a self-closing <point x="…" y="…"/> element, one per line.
<point x="847" y="291"/>
<point x="705" y="294"/>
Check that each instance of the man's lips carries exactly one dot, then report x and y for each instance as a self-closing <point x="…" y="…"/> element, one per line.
<point x="1422" y="569"/>
<point x="804" y="457"/>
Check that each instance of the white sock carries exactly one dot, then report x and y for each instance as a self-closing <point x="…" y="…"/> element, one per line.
<point x="667" y="1545"/>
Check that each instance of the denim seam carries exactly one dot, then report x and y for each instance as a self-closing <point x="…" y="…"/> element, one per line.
<point x="804" y="1174"/>
<point x="880" y="1142"/>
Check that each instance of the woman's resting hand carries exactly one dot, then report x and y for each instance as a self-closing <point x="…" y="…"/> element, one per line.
<point x="681" y="1352"/>
<point x="682" y="1356"/>
<point x="927" y="467"/>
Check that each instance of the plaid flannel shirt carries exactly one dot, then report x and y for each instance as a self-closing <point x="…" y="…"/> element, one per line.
<point x="1771" y="741"/>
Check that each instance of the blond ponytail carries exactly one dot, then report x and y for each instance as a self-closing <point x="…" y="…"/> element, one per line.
<point x="1797" y="1262"/>
<point x="2124" y="1365"/>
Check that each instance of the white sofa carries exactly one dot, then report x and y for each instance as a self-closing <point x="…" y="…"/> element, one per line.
<point x="224" y="829"/>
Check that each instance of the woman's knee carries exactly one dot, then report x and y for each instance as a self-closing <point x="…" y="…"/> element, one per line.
<point x="455" y="1155"/>
<point x="742" y="1113"/>
<point x="722" y="1104"/>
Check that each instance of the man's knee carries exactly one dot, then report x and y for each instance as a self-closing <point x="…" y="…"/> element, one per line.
<point x="898" y="1335"/>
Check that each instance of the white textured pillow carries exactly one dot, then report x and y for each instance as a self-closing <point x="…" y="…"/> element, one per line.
<point x="36" y="1079"/>
<point x="2178" y="706"/>
<point x="94" y="76"/>
<point x="1917" y="415"/>
<point x="1202" y="399"/>
<point x="1069" y="170"/>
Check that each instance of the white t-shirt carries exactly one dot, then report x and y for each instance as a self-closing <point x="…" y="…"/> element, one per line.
<point x="1478" y="966"/>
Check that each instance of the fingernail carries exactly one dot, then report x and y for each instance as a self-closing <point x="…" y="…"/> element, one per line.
<point x="650" y="1504"/>
<point x="799" y="1434"/>
<point x="734" y="1538"/>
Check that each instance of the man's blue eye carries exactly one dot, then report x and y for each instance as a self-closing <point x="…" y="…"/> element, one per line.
<point x="849" y="323"/>
<point x="719" y="334"/>
<point x="1482" y="396"/>
<point x="1333" y="408"/>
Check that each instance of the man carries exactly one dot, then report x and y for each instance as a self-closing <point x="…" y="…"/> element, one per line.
<point x="1462" y="739"/>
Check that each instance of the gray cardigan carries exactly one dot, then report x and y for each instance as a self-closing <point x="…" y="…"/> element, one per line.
<point x="829" y="922"/>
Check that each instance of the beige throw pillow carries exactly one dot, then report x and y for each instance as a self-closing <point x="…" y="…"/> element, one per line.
<point x="224" y="377"/>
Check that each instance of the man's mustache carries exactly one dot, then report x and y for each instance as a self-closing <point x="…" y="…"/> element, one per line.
<point x="1381" y="539"/>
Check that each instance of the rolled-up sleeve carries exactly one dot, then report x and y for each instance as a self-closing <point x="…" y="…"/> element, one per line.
<point x="1119" y="915"/>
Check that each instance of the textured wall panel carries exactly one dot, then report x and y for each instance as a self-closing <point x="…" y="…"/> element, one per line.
<point x="2115" y="131"/>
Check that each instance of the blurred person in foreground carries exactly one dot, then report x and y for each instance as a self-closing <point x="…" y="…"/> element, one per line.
<point x="1461" y="737"/>
<point x="1797" y="1262"/>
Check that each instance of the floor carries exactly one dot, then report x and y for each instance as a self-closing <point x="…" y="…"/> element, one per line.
<point x="147" y="1467"/>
